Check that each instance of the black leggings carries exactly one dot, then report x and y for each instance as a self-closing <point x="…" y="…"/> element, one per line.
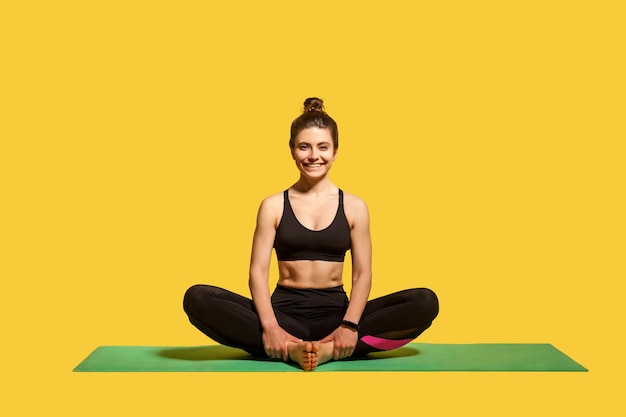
<point x="387" y="322"/>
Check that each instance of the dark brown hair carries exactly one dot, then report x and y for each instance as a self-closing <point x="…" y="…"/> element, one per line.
<point x="314" y="115"/>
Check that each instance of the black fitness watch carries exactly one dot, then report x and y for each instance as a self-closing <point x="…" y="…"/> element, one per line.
<point x="351" y="325"/>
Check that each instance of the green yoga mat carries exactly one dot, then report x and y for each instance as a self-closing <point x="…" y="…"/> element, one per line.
<point x="410" y="358"/>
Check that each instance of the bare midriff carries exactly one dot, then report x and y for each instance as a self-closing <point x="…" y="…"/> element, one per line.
<point x="310" y="274"/>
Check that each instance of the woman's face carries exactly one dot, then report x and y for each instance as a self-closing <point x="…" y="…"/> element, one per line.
<point x="314" y="152"/>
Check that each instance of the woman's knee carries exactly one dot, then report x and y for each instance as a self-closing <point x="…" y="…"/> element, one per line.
<point x="194" y="296"/>
<point x="428" y="302"/>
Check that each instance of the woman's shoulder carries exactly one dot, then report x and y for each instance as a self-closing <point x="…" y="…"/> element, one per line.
<point x="272" y="202"/>
<point x="273" y="199"/>
<point x="352" y="198"/>
<point x="354" y="203"/>
<point x="270" y="210"/>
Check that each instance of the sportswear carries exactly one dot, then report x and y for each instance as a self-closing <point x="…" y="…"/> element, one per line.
<point x="295" y="242"/>
<point x="310" y="314"/>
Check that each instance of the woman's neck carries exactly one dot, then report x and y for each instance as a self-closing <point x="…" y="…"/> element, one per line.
<point x="306" y="185"/>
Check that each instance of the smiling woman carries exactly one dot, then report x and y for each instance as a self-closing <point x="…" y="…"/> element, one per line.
<point x="314" y="152"/>
<point x="309" y="319"/>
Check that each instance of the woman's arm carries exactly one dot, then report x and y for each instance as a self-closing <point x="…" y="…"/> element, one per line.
<point x="344" y="338"/>
<point x="274" y="337"/>
<point x="361" y="250"/>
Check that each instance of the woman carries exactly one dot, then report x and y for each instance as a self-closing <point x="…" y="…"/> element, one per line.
<point x="309" y="318"/>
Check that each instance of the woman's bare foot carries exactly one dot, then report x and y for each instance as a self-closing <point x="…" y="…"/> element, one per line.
<point x="304" y="354"/>
<point x="325" y="352"/>
<point x="310" y="354"/>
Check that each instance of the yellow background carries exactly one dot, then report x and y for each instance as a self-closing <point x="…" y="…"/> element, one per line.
<point x="138" y="139"/>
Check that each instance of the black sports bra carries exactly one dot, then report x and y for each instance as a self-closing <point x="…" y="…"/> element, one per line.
<point x="295" y="242"/>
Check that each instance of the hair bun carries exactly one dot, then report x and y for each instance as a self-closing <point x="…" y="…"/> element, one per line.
<point x="313" y="104"/>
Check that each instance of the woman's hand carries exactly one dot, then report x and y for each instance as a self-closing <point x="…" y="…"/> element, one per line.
<point x="275" y="341"/>
<point x="344" y="341"/>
